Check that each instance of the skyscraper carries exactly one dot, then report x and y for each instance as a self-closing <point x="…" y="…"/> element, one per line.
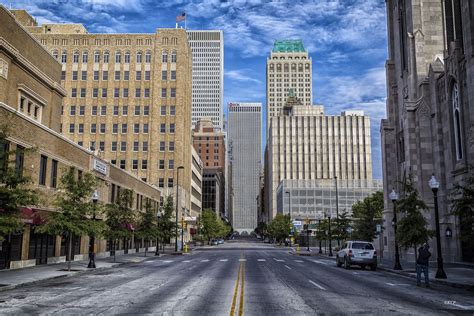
<point x="244" y="132"/>
<point x="208" y="75"/>
<point x="288" y="67"/>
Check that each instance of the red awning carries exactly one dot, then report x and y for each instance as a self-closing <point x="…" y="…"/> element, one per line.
<point x="31" y="216"/>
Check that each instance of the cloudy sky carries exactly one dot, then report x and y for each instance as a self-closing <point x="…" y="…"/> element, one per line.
<point x="346" y="40"/>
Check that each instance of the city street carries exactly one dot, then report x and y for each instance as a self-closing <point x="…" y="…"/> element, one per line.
<point x="239" y="277"/>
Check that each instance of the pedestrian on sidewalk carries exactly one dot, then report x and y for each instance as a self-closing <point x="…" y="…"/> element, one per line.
<point x="422" y="264"/>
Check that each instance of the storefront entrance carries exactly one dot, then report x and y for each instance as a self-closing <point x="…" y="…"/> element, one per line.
<point x="41" y="247"/>
<point x="10" y="250"/>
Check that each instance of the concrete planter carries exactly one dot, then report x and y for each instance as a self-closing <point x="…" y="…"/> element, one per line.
<point x="54" y="260"/>
<point x="119" y="252"/>
<point x="81" y="257"/>
<point x="141" y="250"/>
<point x="130" y="251"/>
<point x="152" y="248"/>
<point x="22" y="264"/>
<point x="104" y="254"/>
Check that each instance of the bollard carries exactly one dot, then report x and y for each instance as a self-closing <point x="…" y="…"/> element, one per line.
<point x="185" y="248"/>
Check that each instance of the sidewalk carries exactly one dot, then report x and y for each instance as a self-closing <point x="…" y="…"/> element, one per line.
<point x="460" y="274"/>
<point x="10" y="279"/>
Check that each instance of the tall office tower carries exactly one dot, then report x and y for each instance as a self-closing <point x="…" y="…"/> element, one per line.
<point x="129" y="98"/>
<point x="208" y="75"/>
<point x="288" y="67"/>
<point x="244" y="132"/>
<point x="305" y="144"/>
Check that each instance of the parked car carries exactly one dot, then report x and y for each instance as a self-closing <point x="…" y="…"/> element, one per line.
<point x="214" y="242"/>
<point x="220" y="241"/>
<point x="361" y="253"/>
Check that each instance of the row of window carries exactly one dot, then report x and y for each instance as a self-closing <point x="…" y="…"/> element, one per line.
<point x="115" y="110"/>
<point x="30" y="107"/>
<point x="105" y="57"/>
<point x="115" y="128"/>
<point x="122" y="146"/>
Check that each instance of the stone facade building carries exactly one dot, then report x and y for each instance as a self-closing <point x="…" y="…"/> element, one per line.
<point x="305" y="144"/>
<point x="207" y="47"/>
<point x="429" y="128"/>
<point x="128" y="98"/>
<point x="288" y="67"/>
<point x="244" y="132"/>
<point x="31" y="97"/>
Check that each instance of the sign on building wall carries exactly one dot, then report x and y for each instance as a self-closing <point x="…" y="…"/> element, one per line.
<point x="99" y="166"/>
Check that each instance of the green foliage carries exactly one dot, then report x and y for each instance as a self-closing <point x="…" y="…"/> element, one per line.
<point x="261" y="229"/>
<point x="167" y="224"/>
<point x="367" y="214"/>
<point x="120" y="216"/>
<point x="210" y="227"/>
<point x="341" y="226"/>
<point x="322" y="230"/>
<point x="462" y="201"/>
<point x="75" y="207"/>
<point x="411" y="229"/>
<point x="15" y="191"/>
<point x="280" y="227"/>
<point x="147" y="227"/>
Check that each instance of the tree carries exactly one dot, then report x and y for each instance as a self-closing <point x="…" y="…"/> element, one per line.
<point x="223" y="228"/>
<point x="147" y="227"/>
<point x="261" y="229"/>
<point x="15" y="191"/>
<point x="280" y="227"/>
<point x="167" y="224"/>
<point x="120" y="217"/>
<point x="462" y="201"/>
<point x="367" y="214"/>
<point x="341" y="226"/>
<point x="210" y="226"/>
<point x="75" y="209"/>
<point x="411" y="229"/>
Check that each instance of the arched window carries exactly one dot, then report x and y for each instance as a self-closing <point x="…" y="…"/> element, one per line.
<point x="173" y="56"/>
<point x="64" y="57"/>
<point x="55" y="54"/>
<point x="75" y="57"/>
<point x="457" y="122"/>
<point x="126" y="57"/>
<point x="118" y="57"/>
<point x="164" y="56"/>
<point x="85" y="57"/>
<point x="139" y="57"/>
<point x="286" y="67"/>
<point x="96" y="56"/>
<point x="148" y="57"/>
<point x="106" y="57"/>
<point x="278" y="67"/>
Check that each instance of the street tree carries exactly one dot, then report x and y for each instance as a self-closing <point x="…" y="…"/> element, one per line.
<point x="209" y="225"/>
<point x="462" y="201"/>
<point x="147" y="226"/>
<point x="15" y="190"/>
<point x="341" y="226"/>
<point x="367" y="214"/>
<point x="261" y="229"/>
<point x="120" y="218"/>
<point x="75" y="209"/>
<point x="167" y="224"/>
<point x="412" y="227"/>
<point x="280" y="227"/>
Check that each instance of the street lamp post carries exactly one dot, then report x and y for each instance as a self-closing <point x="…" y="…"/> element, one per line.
<point x="177" y="202"/>
<point x="394" y="197"/>
<point x="319" y="230"/>
<point x="434" y="185"/>
<point x="337" y="211"/>
<point x="158" y="218"/>
<point x="182" y="228"/>
<point x="95" y="198"/>
<point x="329" y="233"/>
<point x="289" y="211"/>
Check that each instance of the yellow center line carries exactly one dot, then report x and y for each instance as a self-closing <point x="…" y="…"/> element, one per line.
<point x="234" y="298"/>
<point x="241" y="307"/>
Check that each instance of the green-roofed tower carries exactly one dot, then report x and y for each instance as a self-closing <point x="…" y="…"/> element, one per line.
<point x="288" y="67"/>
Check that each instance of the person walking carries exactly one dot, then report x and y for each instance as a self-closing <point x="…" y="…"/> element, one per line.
<point x="422" y="264"/>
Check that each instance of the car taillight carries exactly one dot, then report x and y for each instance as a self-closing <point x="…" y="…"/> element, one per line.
<point x="350" y="253"/>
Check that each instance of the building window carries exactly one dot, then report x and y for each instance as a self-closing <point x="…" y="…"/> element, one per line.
<point x="63" y="75"/>
<point x="96" y="57"/>
<point x="125" y="92"/>
<point x="103" y="110"/>
<point x="71" y="128"/>
<point x="85" y="57"/>
<point x="146" y="92"/>
<point x="42" y="171"/>
<point x="161" y="182"/>
<point x="54" y="173"/>
<point x="72" y="110"/>
<point x="164" y="57"/>
<point x="116" y="92"/>
<point x="127" y="58"/>
<point x="136" y="128"/>
<point x="171" y="146"/>
<point x="96" y="75"/>
<point x="164" y="75"/>
<point x="145" y="146"/>
<point x="148" y="57"/>
<point x="117" y="75"/>
<point x="114" y="128"/>
<point x="118" y="57"/>
<point x="102" y="128"/>
<point x="162" y="146"/>
<point x="145" y="128"/>
<point x="92" y="146"/>
<point x="123" y="146"/>
<point x="136" y="145"/>
<point x="139" y="57"/>
<point x="64" y="57"/>
<point x="172" y="128"/>
<point x="124" y="128"/>
<point x="80" y="128"/>
<point x="173" y="92"/>
<point x="83" y="92"/>
<point x="102" y="146"/>
<point x="162" y="128"/>
<point x="114" y="162"/>
<point x="73" y="92"/>
<point x="138" y="75"/>
<point x="122" y="164"/>
<point x="457" y="122"/>
<point x="161" y="165"/>
<point x="147" y="75"/>
<point x="135" y="164"/>
<point x="170" y="182"/>
<point x="75" y="57"/>
<point x="126" y="75"/>
<point x="95" y="92"/>
<point x="173" y="56"/>
<point x="106" y="57"/>
<point x="138" y="92"/>
<point x="163" y="92"/>
<point x="93" y="128"/>
<point x="82" y="110"/>
<point x="173" y="110"/>
<point x="137" y="110"/>
<point x="116" y="110"/>
<point x="125" y="110"/>
<point x="74" y="75"/>
<point x="19" y="160"/>
<point x="83" y="75"/>
<point x="173" y="74"/>
<point x="163" y="110"/>
<point x="146" y="110"/>
<point x="144" y="164"/>
<point x="105" y="75"/>
<point x="104" y="92"/>
<point x="171" y="164"/>
<point x="113" y="146"/>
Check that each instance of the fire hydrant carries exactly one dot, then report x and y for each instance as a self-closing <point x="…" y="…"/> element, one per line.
<point x="185" y="248"/>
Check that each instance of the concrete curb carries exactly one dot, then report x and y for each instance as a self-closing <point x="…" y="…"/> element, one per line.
<point x="75" y="273"/>
<point x="468" y="287"/>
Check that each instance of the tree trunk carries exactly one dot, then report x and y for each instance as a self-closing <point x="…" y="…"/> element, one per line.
<point x="146" y="247"/>
<point x="113" y="246"/>
<point x="70" y="252"/>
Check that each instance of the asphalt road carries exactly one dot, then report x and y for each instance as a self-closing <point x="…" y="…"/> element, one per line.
<point x="241" y="278"/>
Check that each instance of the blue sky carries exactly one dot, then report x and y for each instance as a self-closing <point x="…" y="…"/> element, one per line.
<point x="346" y="40"/>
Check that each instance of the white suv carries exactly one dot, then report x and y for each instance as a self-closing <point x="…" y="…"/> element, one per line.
<point x="360" y="253"/>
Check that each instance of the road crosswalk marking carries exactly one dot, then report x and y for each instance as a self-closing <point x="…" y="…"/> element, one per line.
<point x="167" y="261"/>
<point x="287" y="267"/>
<point x="261" y="260"/>
<point x="317" y="285"/>
<point x="205" y="260"/>
<point x="223" y="260"/>
<point x="320" y="262"/>
<point x="278" y="260"/>
<point x="242" y="260"/>
<point x="186" y="261"/>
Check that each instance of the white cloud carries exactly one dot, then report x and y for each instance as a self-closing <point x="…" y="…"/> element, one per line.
<point x="239" y="75"/>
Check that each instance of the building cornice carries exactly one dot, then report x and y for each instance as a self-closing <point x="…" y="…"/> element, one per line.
<point x="30" y="67"/>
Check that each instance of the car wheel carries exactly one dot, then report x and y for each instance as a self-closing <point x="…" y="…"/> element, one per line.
<point x="373" y="267"/>
<point x="346" y="263"/>
<point x="362" y="266"/>
<point x="338" y="262"/>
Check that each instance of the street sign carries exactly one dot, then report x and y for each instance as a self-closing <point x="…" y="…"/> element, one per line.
<point x="296" y="223"/>
<point x="378" y="228"/>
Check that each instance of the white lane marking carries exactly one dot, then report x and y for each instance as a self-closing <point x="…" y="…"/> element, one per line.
<point x="317" y="285"/>
<point x="261" y="260"/>
<point x="223" y="260"/>
<point x="299" y="261"/>
<point x="187" y="261"/>
<point x="167" y="261"/>
<point x="463" y="306"/>
<point x="287" y="267"/>
<point x="278" y="260"/>
<point x="205" y="260"/>
<point x="396" y="284"/>
<point x="320" y="262"/>
<point x="356" y="273"/>
<point x="242" y="260"/>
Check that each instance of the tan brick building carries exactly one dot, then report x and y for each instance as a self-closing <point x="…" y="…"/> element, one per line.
<point x="31" y="97"/>
<point x="128" y="97"/>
